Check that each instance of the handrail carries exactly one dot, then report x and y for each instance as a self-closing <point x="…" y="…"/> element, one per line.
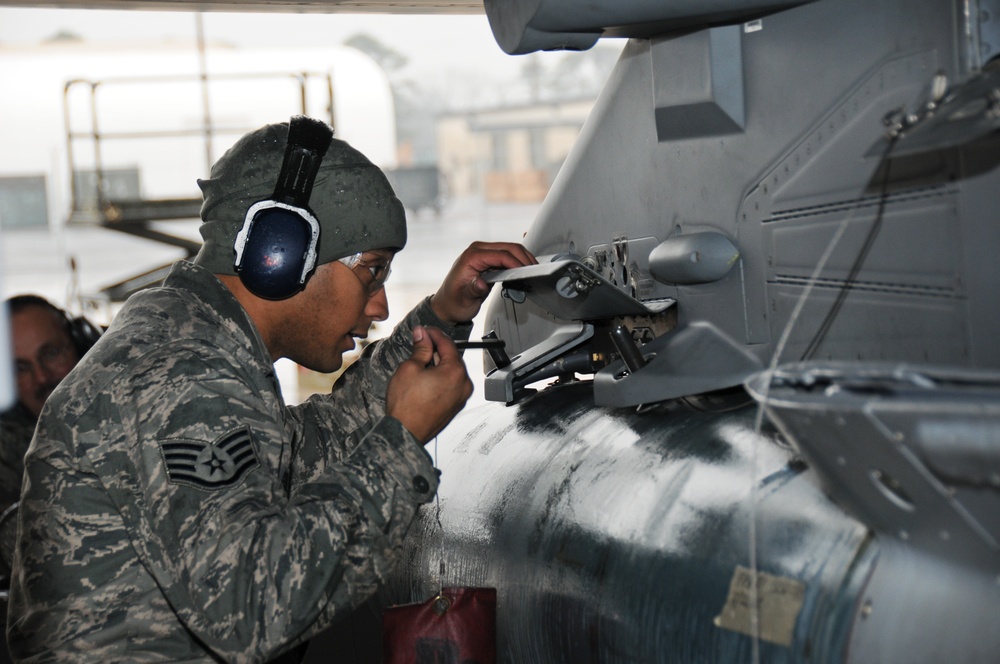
<point x="207" y="129"/>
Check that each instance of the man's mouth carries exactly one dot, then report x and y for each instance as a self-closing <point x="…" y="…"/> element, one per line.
<point x="44" y="392"/>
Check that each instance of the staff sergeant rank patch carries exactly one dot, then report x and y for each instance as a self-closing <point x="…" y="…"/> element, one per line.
<point x="210" y="466"/>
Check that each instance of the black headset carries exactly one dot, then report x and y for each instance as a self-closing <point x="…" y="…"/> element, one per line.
<point x="276" y="248"/>
<point x="82" y="332"/>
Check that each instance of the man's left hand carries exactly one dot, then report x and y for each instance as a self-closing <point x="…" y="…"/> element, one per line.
<point x="464" y="291"/>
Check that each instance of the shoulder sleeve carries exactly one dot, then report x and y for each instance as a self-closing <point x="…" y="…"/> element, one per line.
<point x="200" y="473"/>
<point x="15" y="436"/>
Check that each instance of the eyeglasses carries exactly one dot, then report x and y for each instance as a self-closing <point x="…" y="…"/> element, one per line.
<point x="373" y="274"/>
<point x="51" y="358"/>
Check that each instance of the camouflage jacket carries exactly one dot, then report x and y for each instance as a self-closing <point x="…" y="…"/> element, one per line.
<point x="17" y="425"/>
<point x="174" y="509"/>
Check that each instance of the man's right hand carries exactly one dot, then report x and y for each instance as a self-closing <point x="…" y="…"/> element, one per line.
<point x="431" y="387"/>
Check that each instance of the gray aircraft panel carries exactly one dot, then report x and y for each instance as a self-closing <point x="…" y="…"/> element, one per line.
<point x="876" y="270"/>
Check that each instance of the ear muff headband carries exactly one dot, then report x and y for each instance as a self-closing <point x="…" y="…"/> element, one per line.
<point x="276" y="247"/>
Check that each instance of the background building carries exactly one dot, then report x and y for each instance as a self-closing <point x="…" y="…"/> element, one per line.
<point x="508" y="153"/>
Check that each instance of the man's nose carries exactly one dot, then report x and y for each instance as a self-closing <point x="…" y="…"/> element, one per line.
<point x="378" y="306"/>
<point x="31" y="375"/>
<point x="41" y="373"/>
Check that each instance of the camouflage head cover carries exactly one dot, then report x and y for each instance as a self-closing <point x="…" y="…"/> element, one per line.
<point x="352" y="199"/>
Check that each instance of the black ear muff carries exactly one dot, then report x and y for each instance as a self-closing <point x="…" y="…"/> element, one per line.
<point x="83" y="333"/>
<point x="276" y="248"/>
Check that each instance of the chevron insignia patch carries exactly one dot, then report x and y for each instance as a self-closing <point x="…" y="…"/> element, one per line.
<point x="210" y="466"/>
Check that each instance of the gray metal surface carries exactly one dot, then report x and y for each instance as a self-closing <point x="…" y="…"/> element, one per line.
<point x="532" y="25"/>
<point x="914" y="453"/>
<point x="569" y="290"/>
<point x="675" y="531"/>
<point x="841" y="255"/>
<point x="698" y="258"/>
<point x="501" y="383"/>
<point x="615" y="536"/>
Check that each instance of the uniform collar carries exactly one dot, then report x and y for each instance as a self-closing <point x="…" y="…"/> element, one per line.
<point x="206" y="286"/>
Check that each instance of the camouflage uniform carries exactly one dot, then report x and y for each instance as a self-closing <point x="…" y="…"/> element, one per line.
<point x="176" y="510"/>
<point x="17" y="426"/>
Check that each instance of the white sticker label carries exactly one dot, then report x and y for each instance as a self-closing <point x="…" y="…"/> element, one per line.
<point x="753" y="26"/>
<point x="779" y="600"/>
